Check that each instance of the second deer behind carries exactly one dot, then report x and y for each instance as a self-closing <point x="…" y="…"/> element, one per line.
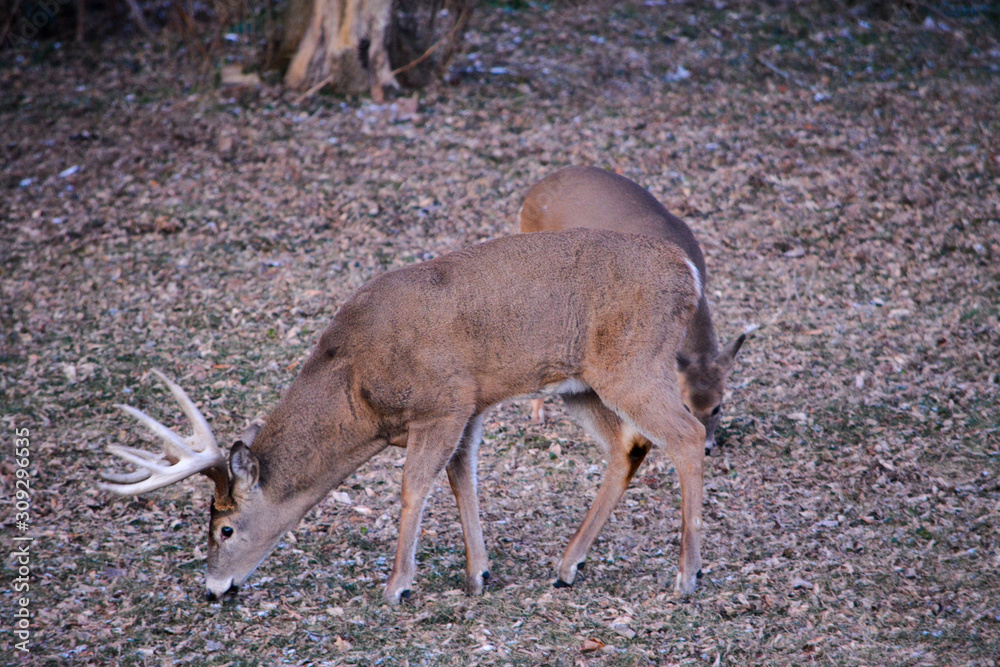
<point x="598" y="199"/>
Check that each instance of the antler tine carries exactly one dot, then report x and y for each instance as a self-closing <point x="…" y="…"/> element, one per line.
<point x="156" y="464"/>
<point x="150" y="483"/>
<point x="203" y="438"/>
<point x="126" y="477"/>
<point x="181" y="457"/>
<point x="176" y="446"/>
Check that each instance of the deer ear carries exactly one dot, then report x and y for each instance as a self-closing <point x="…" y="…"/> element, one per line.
<point x="727" y="358"/>
<point x="243" y="466"/>
<point x="250" y="434"/>
<point x="734" y="347"/>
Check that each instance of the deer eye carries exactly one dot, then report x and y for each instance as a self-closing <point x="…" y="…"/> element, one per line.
<point x="226" y="532"/>
<point x="717" y="409"/>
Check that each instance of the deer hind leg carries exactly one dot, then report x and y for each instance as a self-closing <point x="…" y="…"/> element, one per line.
<point x="462" y="477"/>
<point x="429" y="447"/>
<point x="658" y="413"/>
<point x="538" y="410"/>
<point x="626" y="448"/>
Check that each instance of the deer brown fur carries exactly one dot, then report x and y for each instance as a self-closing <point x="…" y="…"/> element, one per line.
<point x="588" y="197"/>
<point x="416" y="357"/>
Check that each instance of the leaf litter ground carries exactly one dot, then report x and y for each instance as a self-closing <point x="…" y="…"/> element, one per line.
<point x="842" y="176"/>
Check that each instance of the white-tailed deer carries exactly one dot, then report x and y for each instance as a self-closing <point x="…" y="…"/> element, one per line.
<point x="417" y="356"/>
<point x="594" y="198"/>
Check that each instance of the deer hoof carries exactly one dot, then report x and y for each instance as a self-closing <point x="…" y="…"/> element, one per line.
<point x="474" y="585"/>
<point x="685" y="585"/>
<point x="570" y="577"/>
<point x="393" y="599"/>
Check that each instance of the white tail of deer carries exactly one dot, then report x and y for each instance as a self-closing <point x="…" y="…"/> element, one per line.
<point x="592" y="198"/>
<point x="417" y="356"/>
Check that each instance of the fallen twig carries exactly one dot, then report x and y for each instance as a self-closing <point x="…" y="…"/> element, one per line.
<point x="782" y="73"/>
<point x="312" y="91"/>
<point x="137" y="16"/>
<point x="459" y="22"/>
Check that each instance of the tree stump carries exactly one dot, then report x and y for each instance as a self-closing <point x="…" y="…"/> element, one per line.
<point x="352" y="45"/>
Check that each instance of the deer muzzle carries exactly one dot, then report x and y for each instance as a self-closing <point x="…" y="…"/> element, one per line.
<point x="220" y="589"/>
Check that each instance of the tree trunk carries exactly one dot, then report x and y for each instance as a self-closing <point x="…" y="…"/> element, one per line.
<point x="349" y="44"/>
<point x="296" y="19"/>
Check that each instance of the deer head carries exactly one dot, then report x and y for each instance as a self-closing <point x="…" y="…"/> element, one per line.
<point x="245" y="525"/>
<point x="703" y="381"/>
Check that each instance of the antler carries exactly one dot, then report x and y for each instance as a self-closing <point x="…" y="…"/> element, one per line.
<point x="181" y="458"/>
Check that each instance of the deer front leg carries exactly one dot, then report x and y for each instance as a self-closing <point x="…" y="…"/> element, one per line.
<point x="462" y="476"/>
<point x="688" y="455"/>
<point x="625" y="449"/>
<point x="429" y="447"/>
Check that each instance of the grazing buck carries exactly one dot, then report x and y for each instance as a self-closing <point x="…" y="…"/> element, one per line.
<point x="594" y="198"/>
<point x="417" y="356"/>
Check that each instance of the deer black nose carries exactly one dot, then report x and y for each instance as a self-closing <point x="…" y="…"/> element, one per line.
<point x="228" y="595"/>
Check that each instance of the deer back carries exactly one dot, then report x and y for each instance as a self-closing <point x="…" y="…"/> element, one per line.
<point x="599" y="199"/>
<point x="508" y="317"/>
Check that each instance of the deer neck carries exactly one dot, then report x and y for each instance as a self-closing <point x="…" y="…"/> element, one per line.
<point x="313" y="440"/>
